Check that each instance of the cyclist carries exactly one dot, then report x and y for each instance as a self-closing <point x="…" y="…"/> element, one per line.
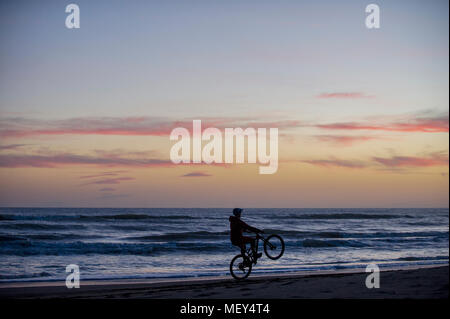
<point x="237" y="227"/>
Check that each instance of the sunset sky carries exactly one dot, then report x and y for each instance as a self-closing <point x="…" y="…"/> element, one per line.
<point x="85" y="114"/>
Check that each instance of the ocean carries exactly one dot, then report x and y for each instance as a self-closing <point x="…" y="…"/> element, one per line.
<point x="36" y="244"/>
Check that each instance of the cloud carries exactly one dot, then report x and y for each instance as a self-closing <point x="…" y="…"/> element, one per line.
<point x="112" y="173"/>
<point x="398" y="164"/>
<point x="344" y="95"/>
<point x="64" y="159"/>
<point x="107" y="189"/>
<point x="113" y="196"/>
<point x="115" y="180"/>
<point x="433" y="159"/>
<point x="22" y="127"/>
<point x="120" y="152"/>
<point x="420" y="124"/>
<point x="336" y="163"/>
<point x="343" y="140"/>
<point x="53" y="160"/>
<point x="196" y="174"/>
<point x="128" y="126"/>
<point x="11" y="146"/>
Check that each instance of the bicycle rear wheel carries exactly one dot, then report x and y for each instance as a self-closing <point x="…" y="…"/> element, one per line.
<point x="274" y="247"/>
<point x="240" y="267"/>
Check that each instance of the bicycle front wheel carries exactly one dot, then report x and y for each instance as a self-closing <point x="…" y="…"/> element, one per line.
<point x="274" y="247"/>
<point x="240" y="267"/>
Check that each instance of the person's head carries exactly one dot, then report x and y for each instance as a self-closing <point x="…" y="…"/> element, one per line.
<point x="237" y="212"/>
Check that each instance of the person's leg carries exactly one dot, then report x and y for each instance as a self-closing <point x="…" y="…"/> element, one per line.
<point x="252" y="244"/>
<point x="251" y="241"/>
<point x="242" y="245"/>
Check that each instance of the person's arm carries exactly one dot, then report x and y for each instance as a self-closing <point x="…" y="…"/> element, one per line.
<point x="249" y="228"/>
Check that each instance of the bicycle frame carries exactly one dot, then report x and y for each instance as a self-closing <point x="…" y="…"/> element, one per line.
<point x="258" y="237"/>
<point x="248" y="252"/>
<point x="250" y="257"/>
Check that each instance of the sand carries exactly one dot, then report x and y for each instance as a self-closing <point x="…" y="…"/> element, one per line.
<point x="413" y="282"/>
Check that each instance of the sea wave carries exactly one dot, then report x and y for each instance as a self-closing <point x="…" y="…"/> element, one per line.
<point x="316" y="243"/>
<point x="182" y="236"/>
<point x="29" y="248"/>
<point x="414" y="258"/>
<point x="25" y="276"/>
<point x="347" y="216"/>
<point x="130" y="241"/>
<point x="41" y="226"/>
<point x="369" y="242"/>
<point x="47" y="232"/>
<point x="46" y="237"/>
<point x="290" y="234"/>
<point x="349" y="235"/>
<point x="11" y="217"/>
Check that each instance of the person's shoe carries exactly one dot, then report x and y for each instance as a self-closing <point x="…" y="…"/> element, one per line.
<point x="256" y="257"/>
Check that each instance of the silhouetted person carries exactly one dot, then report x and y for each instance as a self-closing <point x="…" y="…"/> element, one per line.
<point x="237" y="227"/>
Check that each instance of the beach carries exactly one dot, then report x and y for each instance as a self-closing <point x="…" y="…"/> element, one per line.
<point x="156" y="243"/>
<point x="411" y="282"/>
<point x="186" y="253"/>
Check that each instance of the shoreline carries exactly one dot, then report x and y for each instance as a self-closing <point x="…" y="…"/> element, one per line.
<point x="384" y="266"/>
<point x="418" y="281"/>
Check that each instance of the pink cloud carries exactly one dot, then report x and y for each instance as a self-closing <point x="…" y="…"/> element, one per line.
<point x="344" y="95"/>
<point x="11" y="146"/>
<point x="121" y="152"/>
<point x="65" y="159"/>
<point x="427" y="125"/>
<point x="131" y="126"/>
<point x="22" y="127"/>
<point x="343" y="140"/>
<point x="434" y="159"/>
<point x="105" y="161"/>
<point x="335" y="163"/>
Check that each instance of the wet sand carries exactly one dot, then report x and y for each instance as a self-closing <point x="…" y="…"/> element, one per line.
<point x="424" y="282"/>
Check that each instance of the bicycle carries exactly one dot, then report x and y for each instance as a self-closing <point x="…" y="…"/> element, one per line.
<point x="241" y="265"/>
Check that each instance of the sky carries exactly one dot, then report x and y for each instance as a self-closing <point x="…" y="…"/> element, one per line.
<point x="85" y="114"/>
